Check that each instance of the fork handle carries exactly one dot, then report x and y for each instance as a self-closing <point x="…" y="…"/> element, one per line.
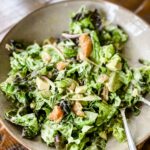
<point x="142" y="99"/>
<point x="131" y="143"/>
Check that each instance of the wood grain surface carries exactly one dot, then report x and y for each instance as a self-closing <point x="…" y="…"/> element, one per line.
<point x="8" y="18"/>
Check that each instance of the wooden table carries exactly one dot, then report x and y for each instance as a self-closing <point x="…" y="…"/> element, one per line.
<point x="11" y="11"/>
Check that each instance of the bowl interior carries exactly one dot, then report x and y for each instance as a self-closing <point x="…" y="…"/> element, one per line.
<point x="51" y="21"/>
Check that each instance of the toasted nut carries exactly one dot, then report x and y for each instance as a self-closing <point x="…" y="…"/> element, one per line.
<point x="57" y="114"/>
<point x="61" y="65"/>
<point x="51" y="40"/>
<point x="86" y="46"/>
<point x="77" y="109"/>
<point x="42" y="83"/>
<point x="105" y="93"/>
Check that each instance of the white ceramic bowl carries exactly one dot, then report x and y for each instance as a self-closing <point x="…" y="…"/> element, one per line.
<point x="51" y="21"/>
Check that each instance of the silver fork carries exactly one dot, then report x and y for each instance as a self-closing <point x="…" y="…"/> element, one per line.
<point x="131" y="143"/>
<point x="142" y="99"/>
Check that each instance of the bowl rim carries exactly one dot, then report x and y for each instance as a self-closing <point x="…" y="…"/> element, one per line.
<point x="55" y="2"/>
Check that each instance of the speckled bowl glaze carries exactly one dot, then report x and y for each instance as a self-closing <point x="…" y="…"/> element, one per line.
<point x="51" y="21"/>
